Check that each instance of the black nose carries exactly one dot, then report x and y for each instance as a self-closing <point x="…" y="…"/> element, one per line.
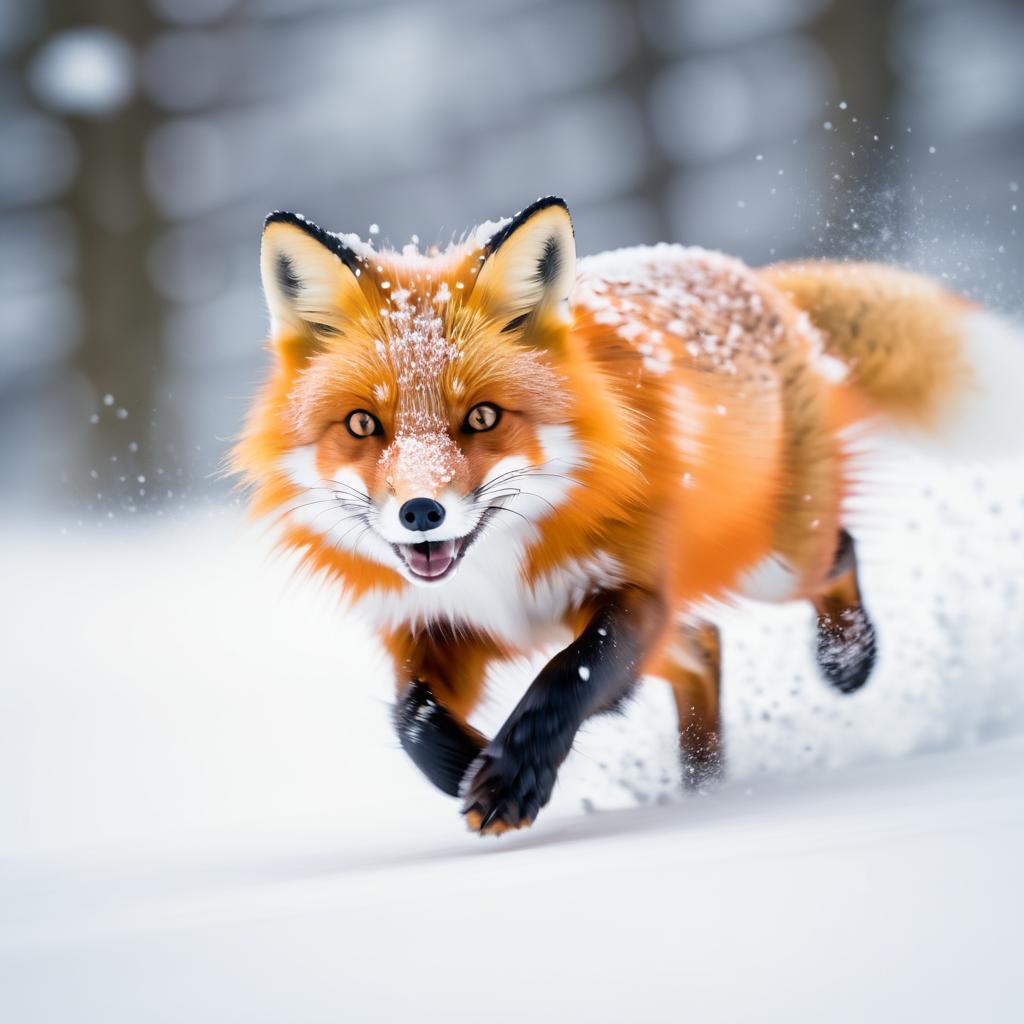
<point x="421" y="514"/>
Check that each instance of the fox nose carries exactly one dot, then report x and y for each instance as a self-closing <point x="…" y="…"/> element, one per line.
<point x="421" y="514"/>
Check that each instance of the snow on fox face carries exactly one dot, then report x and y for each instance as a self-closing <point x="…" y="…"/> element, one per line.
<point x="421" y="393"/>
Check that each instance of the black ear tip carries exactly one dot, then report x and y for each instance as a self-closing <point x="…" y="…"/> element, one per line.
<point x="326" y="238"/>
<point x="277" y="217"/>
<point x="551" y="201"/>
<point x="286" y="217"/>
<point x="544" y="203"/>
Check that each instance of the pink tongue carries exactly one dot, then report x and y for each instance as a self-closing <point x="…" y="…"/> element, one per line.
<point x="438" y="560"/>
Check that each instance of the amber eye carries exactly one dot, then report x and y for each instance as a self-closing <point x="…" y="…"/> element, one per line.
<point x="482" y="417"/>
<point x="361" y="423"/>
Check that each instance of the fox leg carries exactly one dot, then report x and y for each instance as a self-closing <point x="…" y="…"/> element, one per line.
<point x="808" y="515"/>
<point x="438" y="744"/>
<point x="439" y="684"/>
<point x="691" y="664"/>
<point x="515" y="774"/>
<point x="846" y="646"/>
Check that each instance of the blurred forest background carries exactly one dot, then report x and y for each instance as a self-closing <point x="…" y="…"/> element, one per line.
<point x="143" y="141"/>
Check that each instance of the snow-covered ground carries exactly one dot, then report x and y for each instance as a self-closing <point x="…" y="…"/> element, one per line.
<point x="204" y="816"/>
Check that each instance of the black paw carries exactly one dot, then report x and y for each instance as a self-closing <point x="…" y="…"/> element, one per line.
<point x="846" y="648"/>
<point x="507" y="787"/>
<point x="701" y="768"/>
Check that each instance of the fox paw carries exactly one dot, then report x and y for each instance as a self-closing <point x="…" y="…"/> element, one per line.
<point x="505" y="790"/>
<point x="846" y="648"/>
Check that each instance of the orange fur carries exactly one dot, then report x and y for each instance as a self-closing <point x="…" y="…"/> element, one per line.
<point x="895" y="329"/>
<point x="694" y="386"/>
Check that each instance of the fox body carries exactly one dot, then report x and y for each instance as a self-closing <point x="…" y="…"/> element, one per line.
<point x="494" y="447"/>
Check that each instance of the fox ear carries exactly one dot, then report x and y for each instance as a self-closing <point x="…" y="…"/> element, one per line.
<point x="310" y="276"/>
<point x="529" y="267"/>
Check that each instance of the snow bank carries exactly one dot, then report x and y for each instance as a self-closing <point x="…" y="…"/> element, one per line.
<point x="206" y="817"/>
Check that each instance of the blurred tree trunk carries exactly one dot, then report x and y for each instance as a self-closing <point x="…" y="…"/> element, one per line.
<point x="121" y="312"/>
<point x="855" y="35"/>
<point x="636" y="80"/>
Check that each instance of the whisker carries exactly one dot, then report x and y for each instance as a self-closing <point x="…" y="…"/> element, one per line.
<point x="306" y="504"/>
<point x="336" y="546"/>
<point x="359" y="520"/>
<point x="501" y="495"/>
<point x="332" y="505"/>
<point x="511" y="473"/>
<point x="359" y="538"/>
<point x="345" y="507"/>
<point x="337" y="488"/>
<point x="517" y="492"/>
<point x="501" y="508"/>
<point x="539" y="497"/>
<point x="520" y="474"/>
<point x="352" y="490"/>
<point x="575" y="481"/>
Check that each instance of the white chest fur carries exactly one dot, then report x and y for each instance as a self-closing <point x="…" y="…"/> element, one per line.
<point x="487" y="594"/>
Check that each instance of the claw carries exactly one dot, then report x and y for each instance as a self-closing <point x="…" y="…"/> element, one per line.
<point x="488" y="818"/>
<point x="502" y="795"/>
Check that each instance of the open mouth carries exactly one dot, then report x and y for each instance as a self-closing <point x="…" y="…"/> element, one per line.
<point x="435" y="560"/>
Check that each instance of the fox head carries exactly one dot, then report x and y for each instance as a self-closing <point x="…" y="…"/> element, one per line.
<point x="417" y="403"/>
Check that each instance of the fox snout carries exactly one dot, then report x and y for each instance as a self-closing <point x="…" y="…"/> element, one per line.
<point x="432" y="554"/>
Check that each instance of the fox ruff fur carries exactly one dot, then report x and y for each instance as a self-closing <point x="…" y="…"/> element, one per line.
<point x="495" y="447"/>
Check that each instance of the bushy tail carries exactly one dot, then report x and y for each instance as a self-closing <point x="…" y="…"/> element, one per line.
<point x="922" y="356"/>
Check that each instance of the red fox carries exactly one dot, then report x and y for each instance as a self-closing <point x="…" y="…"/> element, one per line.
<point x="494" y="446"/>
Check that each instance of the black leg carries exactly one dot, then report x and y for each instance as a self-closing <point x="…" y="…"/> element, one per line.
<point x="517" y="770"/>
<point x="439" y="746"/>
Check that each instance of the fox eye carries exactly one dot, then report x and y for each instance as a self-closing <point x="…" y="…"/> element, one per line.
<point x="482" y="417"/>
<point x="361" y="423"/>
